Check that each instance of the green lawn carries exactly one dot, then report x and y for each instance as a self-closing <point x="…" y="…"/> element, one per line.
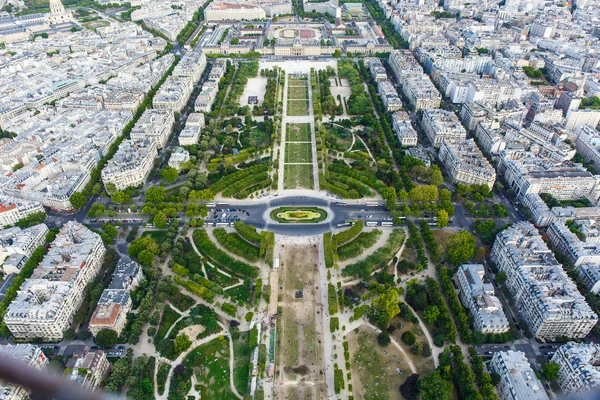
<point x="210" y="363"/>
<point x="297" y="108"/>
<point x="158" y="236"/>
<point x="298" y="133"/>
<point x="240" y="293"/>
<point x="298" y="92"/>
<point x="298" y="152"/>
<point x="241" y="366"/>
<point x="298" y="175"/>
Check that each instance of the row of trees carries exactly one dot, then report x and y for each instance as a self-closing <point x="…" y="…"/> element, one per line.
<point x="235" y="244"/>
<point x="220" y="258"/>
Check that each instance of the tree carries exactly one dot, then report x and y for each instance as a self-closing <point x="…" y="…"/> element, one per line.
<point x="383" y="339"/>
<point x="78" y="200"/>
<point x="434" y="387"/>
<point x="409" y="338"/>
<point x="460" y="247"/>
<point x="431" y="314"/>
<point x="146" y="258"/>
<point x="182" y="343"/>
<point x="118" y="197"/>
<point x="201" y="195"/>
<point x="436" y="178"/>
<point x="155" y="194"/>
<point x="410" y="388"/>
<point x="384" y="307"/>
<point x="389" y="194"/>
<point x="110" y="187"/>
<point x="501" y="278"/>
<point x="550" y="371"/>
<point x="442" y="219"/>
<point x="160" y="220"/>
<point x="110" y="230"/>
<point x="169" y="174"/>
<point x="106" y="338"/>
<point x="337" y="53"/>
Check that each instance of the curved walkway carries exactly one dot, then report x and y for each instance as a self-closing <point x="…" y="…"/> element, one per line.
<point x="435" y="351"/>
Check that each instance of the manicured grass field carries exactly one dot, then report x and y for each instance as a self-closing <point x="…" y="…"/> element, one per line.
<point x="298" y="92"/>
<point x="297" y="133"/>
<point x="158" y="236"/>
<point x="297" y="108"/>
<point x="298" y="175"/>
<point x="298" y="214"/>
<point x="298" y="152"/>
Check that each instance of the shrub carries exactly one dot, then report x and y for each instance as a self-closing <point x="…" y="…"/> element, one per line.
<point x="409" y="338"/>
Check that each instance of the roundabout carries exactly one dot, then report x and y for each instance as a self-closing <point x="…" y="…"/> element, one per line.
<point x="298" y="215"/>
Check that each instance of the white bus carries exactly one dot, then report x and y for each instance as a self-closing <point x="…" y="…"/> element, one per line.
<point x="387" y="223"/>
<point x="344" y="224"/>
<point x="372" y="204"/>
<point x="371" y="223"/>
<point x="221" y="224"/>
<point x="341" y="203"/>
<point x="210" y="204"/>
<point x="222" y="204"/>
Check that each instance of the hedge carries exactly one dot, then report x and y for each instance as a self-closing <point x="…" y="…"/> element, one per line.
<point x="219" y="257"/>
<point x="332" y="299"/>
<point x="248" y="233"/>
<point x="213" y="287"/>
<point x="363" y="268"/>
<point x="235" y="244"/>
<point x="247" y="182"/>
<point x="195" y="288"/>
<point x="444" y="322"/>
<point x="228" y="180"/>
<point x="430" y="243"/>
<point x="328" y="250"/>
<point x="362" y="242"/>
<point x="229" y="309"/>
<point x="338" y="379"/>
<point x="334" y="324"/>
<point x="349" y="234"/>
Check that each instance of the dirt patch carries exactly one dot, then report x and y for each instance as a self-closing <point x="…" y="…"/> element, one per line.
<point x="440" y="235"/>
<point x="299" y="343"/>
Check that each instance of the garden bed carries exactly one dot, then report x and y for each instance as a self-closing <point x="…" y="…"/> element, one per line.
<point x="298" y="215"/>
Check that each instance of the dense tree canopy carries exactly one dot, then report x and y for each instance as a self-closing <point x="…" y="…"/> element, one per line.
<point x="460" y="247"/>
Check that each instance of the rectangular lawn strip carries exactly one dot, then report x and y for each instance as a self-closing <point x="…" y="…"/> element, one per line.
<point x="297" y="133"/>
<point x="298" y="152"/>
<point x="296" y="108"/>
<point x="298" y="92"/>
<point x="241" y="364"/>
<point x="298" y="175"/>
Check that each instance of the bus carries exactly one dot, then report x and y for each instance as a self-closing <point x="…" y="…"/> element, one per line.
<point x="387" y="223"/>
<point x="372" y="204"/>
<point x="344" y="224"/>
<point x="221" y="224"/>
<point x="371" y="223"/>
<point x="222" y="204"/>
<point x="210" y="204"/>
<point x="341" y="203"/>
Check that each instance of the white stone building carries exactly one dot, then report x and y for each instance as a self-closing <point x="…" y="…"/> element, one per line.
<point x="130" y="165"/>
<point x="13" y="209"/>
<point x="32" y="356"/>
<point x="478" y="296"/>
<point x="547" y="298"/>
<point x="578" y="364"/>
<point x="46" y="302"/>
<point x="442" y="125"/>
<point x="466" y="164"/>
<point x="21" y="241"/>
<point x="566" y="242"/>
<point x="407" y="135"/>
<point x="518" y="380"/>
<point x="154" y="125"/>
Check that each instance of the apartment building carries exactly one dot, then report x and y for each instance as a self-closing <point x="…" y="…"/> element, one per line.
<point x="478" y="296"/>
<point x="405" y="66"/>
<point x="173" y="95"/>
<point x="577" y="118"/>
<point x="13" y="209"/>
<point x="518" y="380"/>
<point x="527" y="173"/>
<point x="190" y="134"/>
<point x="130" y="165"/>
<point x="205" y="99"/>
<point x="17" y="241"/>
<point x="590" y="275"/>
<point x="442" y="125"/>
<point x="466" y="164"/>
<point x="154" y="125"/>
<point x="89" y="369"/>
<point x="32" y="356"/>
<point x="115" y="302"/>
<point x="406" y="134"/>
<point x="233" y="11"/>
<point x="588" y="144"/>
<point x="376" y="69"/>
<point x="566" y="242"/>
<point x="421" y="93"/>
<point x="548" y="299"/>
<point x="492" y="92"/>
<point x="388" y="95"/>
<point x="46" y="302"/>
<point x="178" y="157"/>
<point x="578" y="364"/>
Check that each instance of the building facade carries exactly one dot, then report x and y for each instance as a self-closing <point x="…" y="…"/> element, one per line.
<point x="518" y="380"/>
